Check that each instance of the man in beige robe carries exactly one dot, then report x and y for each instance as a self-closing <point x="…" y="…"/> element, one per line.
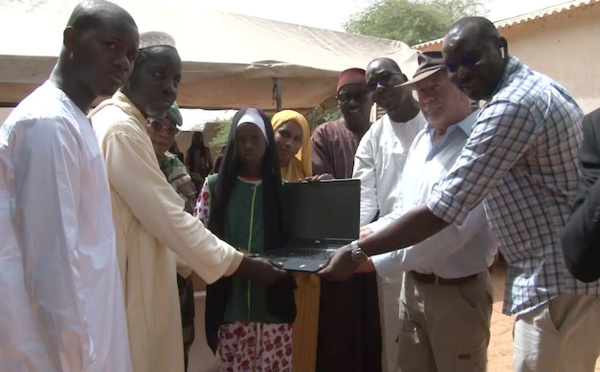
<point x="149" y="215"/>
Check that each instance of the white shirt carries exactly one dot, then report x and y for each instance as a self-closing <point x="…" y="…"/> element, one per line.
<point x="456" y="251"/>
<point x="379" y="162"/>
<point x="62" y="306"/>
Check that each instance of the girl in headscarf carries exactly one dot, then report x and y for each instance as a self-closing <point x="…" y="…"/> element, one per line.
<point x="292" y="136"/>
<point x="242" y="204"/>
<point x="292" y="139"/>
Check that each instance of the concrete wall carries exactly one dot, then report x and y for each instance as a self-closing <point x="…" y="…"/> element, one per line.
<point x="563" y="46"/>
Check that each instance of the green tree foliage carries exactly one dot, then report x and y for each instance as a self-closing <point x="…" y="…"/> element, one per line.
<point x="412" y="21"/>
<point x="319" y="116"/>
<point x="222" y="136"/>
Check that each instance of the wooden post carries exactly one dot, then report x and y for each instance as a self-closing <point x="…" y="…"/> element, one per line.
<point x="277" y="92"/>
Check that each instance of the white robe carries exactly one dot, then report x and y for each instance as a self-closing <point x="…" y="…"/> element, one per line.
<point x="378" y="164"/>
<point x="62" y="306"/>
<point x="149" y="217"/>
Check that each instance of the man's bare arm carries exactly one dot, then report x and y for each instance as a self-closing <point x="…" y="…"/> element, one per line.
<point x="413" y="227"/>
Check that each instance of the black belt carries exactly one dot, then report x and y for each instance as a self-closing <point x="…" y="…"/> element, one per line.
<point x="434" y="279"/>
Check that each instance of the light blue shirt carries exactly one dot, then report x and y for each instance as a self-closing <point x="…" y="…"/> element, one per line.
<point x="457" y="250"/>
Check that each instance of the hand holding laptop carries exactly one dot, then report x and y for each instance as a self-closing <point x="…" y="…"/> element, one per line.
<point x="319" y="178"/>
<point x="261" y="271"/>
<point x="340" y="266"/>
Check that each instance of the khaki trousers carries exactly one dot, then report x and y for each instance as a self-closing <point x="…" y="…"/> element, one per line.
<point x="561" y="335"/>
<point x="388" y="291"/>
<point x="444" y="328"/>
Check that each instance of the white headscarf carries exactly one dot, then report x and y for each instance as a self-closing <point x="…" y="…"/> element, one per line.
<point x="253" y="116"/>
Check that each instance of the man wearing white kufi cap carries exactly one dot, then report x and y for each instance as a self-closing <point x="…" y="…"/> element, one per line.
<point x="149" y="216"/>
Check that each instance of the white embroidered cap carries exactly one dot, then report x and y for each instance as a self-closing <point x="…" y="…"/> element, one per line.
<point x="156" y="38"/>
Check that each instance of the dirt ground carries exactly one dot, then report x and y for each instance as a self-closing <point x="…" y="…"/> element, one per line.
<point x="500" y="349"/>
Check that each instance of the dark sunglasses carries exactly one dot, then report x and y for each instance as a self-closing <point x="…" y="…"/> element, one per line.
<point x="382" y="79"/>
<point x="345" y="98"/>
<point x="467" y="59"/>
<point x="158" y="127"/>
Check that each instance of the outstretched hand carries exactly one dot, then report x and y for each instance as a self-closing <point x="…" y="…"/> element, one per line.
<point x="261" y="271"/>
<point x="339" y="266"/>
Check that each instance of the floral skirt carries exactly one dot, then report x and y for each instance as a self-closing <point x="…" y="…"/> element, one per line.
<point x="255" y="347"/>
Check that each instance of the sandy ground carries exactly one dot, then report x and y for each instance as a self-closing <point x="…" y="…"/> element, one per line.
<point x="499" y="351"/>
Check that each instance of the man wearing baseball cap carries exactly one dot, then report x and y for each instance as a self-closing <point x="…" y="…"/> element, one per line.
<point x="446" y="297"/>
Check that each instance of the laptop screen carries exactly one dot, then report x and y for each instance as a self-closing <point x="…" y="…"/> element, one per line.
<point x="322" y="212"/>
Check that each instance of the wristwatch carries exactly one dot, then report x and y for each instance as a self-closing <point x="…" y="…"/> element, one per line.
<point x="358" y="255"/>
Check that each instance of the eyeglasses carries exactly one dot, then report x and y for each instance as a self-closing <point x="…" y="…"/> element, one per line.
<point x="383" y="79"/>
<point x="158" y="127"/>
<point x="467" y="59"/>
<point x="345" y="98"/>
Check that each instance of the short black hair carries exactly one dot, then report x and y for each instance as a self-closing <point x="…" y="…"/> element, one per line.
<point x="394" y="66"/>
<point x="145" y="54"/>
<point x="90" y="14"/>
<point x="481" y="25"/>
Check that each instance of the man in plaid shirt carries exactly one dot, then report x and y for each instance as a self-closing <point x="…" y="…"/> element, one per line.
<point x="521" y="161"/>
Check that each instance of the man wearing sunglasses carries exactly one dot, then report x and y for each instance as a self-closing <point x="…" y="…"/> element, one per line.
<point x="379" y="164"/>
<point x="163" y="133"/>
<point x="334" y="145"/>
<point x="382" y="151"/>
<point x="521" y="162"/>
<point x="151" y="225"/>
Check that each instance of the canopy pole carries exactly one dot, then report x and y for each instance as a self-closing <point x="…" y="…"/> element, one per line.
<point x="277" y="92"/>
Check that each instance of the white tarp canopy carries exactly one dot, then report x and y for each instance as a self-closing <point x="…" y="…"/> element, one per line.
<point x="230" y="60"/>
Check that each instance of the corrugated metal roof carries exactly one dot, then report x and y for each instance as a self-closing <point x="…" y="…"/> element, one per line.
<point x="560" y="8"/>
<point x="527" y="17"/>
<point x="428" y="43"/>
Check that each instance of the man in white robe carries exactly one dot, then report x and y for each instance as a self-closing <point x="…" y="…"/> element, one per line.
<point x="62" y="303"/>
<point x="379" y="163"/>
<point x="151" y="224"/>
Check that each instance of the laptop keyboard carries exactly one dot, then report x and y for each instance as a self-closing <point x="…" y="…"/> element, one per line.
<point x="307" y="253"/>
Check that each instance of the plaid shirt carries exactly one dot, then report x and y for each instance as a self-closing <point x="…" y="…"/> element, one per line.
<point x="521" y="161"/>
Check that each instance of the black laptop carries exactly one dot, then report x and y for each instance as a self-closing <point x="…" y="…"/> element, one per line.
<point x="319" y="217"/>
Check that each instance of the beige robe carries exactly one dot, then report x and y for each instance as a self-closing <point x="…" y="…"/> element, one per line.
<point x="149" y="216"/>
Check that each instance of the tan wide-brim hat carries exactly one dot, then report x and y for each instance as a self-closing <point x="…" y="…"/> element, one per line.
<point x="429" y="64"/>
